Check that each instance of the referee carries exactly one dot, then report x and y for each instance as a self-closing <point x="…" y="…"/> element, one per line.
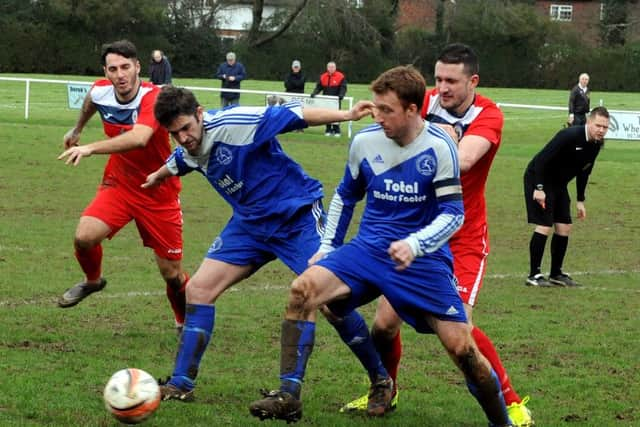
<point x="571" y="153"/>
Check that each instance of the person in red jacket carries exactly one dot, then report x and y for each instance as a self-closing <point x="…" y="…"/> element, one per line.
<point x="333" y="83"/>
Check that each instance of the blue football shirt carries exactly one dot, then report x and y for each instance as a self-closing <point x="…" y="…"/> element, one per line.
<point x="242" y="159"/>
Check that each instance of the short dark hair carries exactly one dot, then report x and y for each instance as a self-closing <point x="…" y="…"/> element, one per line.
<point x="460" y="53"/>
<point x="406" y="81"/>
<point x="172" y="102"/>
<point x="599" y="111"/>
<point x="121" y="47"/>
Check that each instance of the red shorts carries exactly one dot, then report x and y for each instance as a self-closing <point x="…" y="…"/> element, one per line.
<point x="159" y="223"/>
<point x="469" y="265"/>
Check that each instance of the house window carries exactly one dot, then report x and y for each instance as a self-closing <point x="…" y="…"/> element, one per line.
<point x="560" y="12"/>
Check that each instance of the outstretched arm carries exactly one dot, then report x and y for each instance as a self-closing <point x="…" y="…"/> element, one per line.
<point x="137" y="137"/>
<point x="156" y="178"/>
<point x="321" y="116"/>
<point x="72" y="137"/>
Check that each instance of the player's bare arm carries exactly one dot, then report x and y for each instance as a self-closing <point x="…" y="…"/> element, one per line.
<point x="156" y="178"/>
<point x="72" y="137"/>
<point x="471" y="148"/>
<point x="321" y="116"/>
<point x="137" y="137"/>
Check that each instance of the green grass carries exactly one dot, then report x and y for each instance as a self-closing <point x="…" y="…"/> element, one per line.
<point x="575" y="351"/>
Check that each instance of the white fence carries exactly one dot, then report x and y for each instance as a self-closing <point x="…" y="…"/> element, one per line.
<point x="74" y="90"/>
<point x="625" y="125"/>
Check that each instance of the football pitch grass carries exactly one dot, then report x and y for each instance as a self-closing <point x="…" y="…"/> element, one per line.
<point x="574" y="351"/>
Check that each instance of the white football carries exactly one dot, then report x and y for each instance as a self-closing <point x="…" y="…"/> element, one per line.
<point x="131" y="395"/>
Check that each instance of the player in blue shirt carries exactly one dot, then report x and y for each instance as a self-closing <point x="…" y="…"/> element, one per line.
<point x="408" y="170"/>
<point x="277" y="209"/>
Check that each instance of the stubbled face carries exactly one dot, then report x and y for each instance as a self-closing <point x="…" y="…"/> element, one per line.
<point x="394" y="118"/>
<point x="186" y="130"/>
<point x="331" y="67"/>
<point x="597" y="127"/>
<point x="584" y="81"/>
<point x="123" y="74"/>
<point x="456" y="88"/>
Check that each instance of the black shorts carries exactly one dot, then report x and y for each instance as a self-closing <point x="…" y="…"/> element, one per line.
<point x="557" y="204"/>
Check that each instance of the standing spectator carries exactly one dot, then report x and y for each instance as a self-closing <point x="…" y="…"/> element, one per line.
<point x="579" y="102"/>
<point x="137" y="146"/>
<point x="295" y="80"/>
<point x="334" y="83"/>
<point x="231" y="73"/>
<point x="571" y="153"/>
<point x="159" y="69"/>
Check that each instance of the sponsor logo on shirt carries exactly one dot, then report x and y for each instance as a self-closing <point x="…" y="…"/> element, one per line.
<point x="378" y="159"/>
<point x="229" y="185"/>
<point x="400" y="191"/>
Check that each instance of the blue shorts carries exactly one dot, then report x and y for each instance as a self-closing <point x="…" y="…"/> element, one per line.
<point x="427" y="286"/>
<point x="296" y="241"/>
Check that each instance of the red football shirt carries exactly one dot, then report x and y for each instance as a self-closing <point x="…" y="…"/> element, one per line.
<point x="483" y="118"/>
<point x="128" y="170"/>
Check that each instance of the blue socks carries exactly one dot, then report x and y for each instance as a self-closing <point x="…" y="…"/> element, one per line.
<point x="490" y="398"/>
<point x="198" y="328"/>
<point x="296" y="340"/>
<point x="354" y="332"/>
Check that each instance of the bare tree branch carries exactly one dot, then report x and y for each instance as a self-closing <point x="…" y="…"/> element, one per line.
<point x="254" y="33"/>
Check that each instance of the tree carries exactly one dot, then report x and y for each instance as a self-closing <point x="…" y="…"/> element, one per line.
<point x="614" y="22"/>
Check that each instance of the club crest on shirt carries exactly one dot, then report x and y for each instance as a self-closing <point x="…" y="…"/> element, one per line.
<point x="223" y="155"/>
<point x="426" y="165"/>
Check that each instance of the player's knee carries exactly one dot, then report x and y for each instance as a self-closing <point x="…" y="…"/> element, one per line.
<point x="84" y="242"/>
<point x="386" y="327"/>
<point x="470" y="361"/>
<point x="300" y="296"/>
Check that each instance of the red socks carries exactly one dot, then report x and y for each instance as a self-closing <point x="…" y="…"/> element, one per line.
<point x="488" y="350"/>
<point x="90" y="261"/>
<point x="177" y="297"/>
<point x="390" y="353"/>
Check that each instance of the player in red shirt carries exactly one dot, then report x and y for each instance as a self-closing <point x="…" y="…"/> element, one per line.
<point x="478" y="123"/>
<point x="137" y="146"/>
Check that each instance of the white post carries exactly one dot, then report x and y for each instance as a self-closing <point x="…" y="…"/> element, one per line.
<point x="26" y="100"/>
<point x="350" y="122"/>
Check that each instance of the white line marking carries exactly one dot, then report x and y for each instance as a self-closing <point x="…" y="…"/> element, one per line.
<point x="284" y="287"/>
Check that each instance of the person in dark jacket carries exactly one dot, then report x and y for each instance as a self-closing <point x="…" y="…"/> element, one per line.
<point x="334" y="83"/>
<point x="579" y="102"/>
<point x="159" y="69"/>
<point x="231" y="73"/>
<point x="295" y="80"/>
<point x="570" y="154"/>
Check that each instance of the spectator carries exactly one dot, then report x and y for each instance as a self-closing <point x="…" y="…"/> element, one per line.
<point x="579" y="102"/>
<point x="159" y="69"/>
<point x="231" y="73"/>
<point x="334" y="83"/>
<point x="295" y="80"/>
